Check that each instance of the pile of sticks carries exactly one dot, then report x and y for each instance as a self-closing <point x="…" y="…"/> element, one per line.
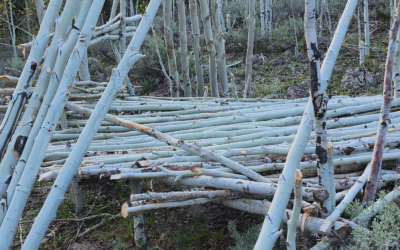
<point x="254" y="155"/>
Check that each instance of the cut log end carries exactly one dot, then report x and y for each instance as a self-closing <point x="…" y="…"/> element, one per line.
<point x="197" y="170"/>
<point x="298" y="176"/>
<point x="325" y="226"/>
<point x="115" y="177"/>
<point x="124" y="210"/>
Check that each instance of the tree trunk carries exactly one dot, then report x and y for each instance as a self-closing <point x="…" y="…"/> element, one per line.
<point x="196" y="47"/>
<point x="184" y="49"/>
<point x="169" y="43"/>
<point x="206" y="18"/>
<point x="22" y="91"/>
<point x="384" y="121"/>
<point x="250" y="48"/>
<point x="53" y="200"/>
<point x="220" y="47"/>
<point x="38" y="152"/>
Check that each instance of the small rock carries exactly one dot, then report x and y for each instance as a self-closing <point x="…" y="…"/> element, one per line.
<point x="277" y="62"/>
<point x="287" y="52"/>
<point x="94" y="64"/>
<point x="296" y="92"/>
<point x="257" y="59"/>
<point x="355" y="79"/>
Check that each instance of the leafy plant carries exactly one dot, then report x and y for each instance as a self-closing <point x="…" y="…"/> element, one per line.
<point x="383" y="233"/>
<point x="247" y="240"/>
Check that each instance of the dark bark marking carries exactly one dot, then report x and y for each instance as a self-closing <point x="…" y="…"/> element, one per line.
<point x="33" y="70"/>
<point x="314" y="77"/>
<point x="348" y="150"/>
<point x="18" y="104"/>
<point x="317" y="54"/>
<point x="8" y="181"/>
<point x="321" y="153"/>
<point x="19" y="144"/>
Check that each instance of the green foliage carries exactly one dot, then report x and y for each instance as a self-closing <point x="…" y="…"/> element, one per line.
<point x="383" y="233"/>
<point x="17" y="63"/>
<point x="188" y="238"/>
<point x="247" y="240"/>
<point x="151" y="223"/>
<point x="353" y="209"/>
<point x="66" y="207"/>
<point x="122" y="191"/>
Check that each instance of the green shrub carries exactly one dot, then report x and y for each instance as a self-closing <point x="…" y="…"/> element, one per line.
<point x="247" y="240"/>
<point x="383" y="233"/>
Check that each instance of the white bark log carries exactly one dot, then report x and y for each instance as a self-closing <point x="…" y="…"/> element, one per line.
<point x="346" y="200"/>
<point x="185" y="146"/>
<point x="40" y="10"/>
<point x="206" y="18"/>
<point x="27" y="180"/>
<point x="250" y="47"/>
<point x="220" y="47"/>
<point x="63" y="56"/>
<point x="126" y="209"/>
<point x="15" y="148"/>
<point x="269" y="232"/>
<point x="196" y="47"/>
<point x="169" y="44"/>
<point x="160" y="58"/>
<point x="262" y="18"/>
<point x="138" y="220"/>
<point x="53" y="201"/>
<point x="292" y="223"/>
<point x="22" y="91"/>
<point x="396" y="69"/>
<point x="181" y="196"/>
<point x="366" y="27"/>
<point x="320" y="103"/>
<point x="187" y="88"/>
<point x="311" y="224"/>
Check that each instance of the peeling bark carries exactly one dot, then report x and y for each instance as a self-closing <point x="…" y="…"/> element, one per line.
<point x="372" y="183"/>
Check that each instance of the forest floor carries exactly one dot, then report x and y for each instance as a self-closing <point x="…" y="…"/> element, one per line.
<point x="195" y="227"/>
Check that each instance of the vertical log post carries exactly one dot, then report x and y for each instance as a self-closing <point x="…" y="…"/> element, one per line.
<point x="270" y="229"/>
<point x="22" y="91"/>
<point x="366" y="28"/>
<point x="292" y="224"/>
<point x="27" y="180"/>
<point x="53" y="200"/>
<point x="63" y="55"/>
<point x="206" y="18"/>
<point x="187" y="88"/>
<point x="320" y="103"/>
<point x="14" y="149"/>
<point x="220" y="47"/>
<point x="138" y="220"/>
<point x="262" y="18"/>
<point x="196" y="47"/>
<point x="122" y="43"/>
<point x="250" y="48"/>
<point x="169" y="42"/>
<point x="384" y="121"/>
